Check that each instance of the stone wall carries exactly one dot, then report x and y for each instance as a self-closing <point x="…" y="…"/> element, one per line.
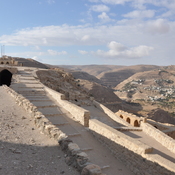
<point x="12" y="70"/>
<point x="80" y="114"/>
<point x="161" y="137"/>
<point x="157" y="125"/>
<point x="110" y="113"/>
<point x="130" y="118"/>
<point x="130" y="152"/>
<point x="168" y="129"/>
<point x="74" y="155"/>
<point x="119" y="138"/>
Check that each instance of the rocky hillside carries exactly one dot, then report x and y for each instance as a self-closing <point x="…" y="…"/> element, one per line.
<point x="151" y="89"/>
<point x="159" y="83"/>
<point x="161" y="116"/>
<point x="30" y="62"/>
<point x="64" y="83"/>
<point x="114" y="77"/>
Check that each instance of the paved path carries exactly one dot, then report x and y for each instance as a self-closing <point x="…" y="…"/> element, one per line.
<point x="33" y="90"/>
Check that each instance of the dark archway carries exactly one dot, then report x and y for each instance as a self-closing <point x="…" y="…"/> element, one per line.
<point x="2" y="63"/>
<point x="7" y="63"/>
<point x="128" y="120"/>
<point x="5" y="77"/>
<point x="136" y="123"/>
<point x="121" y="116"/>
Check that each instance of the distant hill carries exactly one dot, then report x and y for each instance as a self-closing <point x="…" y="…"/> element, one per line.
<point x="114" y="77"/>
<point x="94" y="70"/>
<point x="111" y="75"/>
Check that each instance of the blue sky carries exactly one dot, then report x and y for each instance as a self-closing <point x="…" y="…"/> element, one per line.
<point x="81" y="32"/>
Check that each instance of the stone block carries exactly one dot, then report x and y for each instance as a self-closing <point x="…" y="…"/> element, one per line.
<point x="64" y="143"/>
<point x="91" y="169"/>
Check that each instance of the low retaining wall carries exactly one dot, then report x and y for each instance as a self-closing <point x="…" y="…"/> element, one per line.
<point x="110" y="113"/>
<point x="80" y="114"/>
<point x="74" y="156"/>
<point x="162" y="138"/>
<point x="119" y="138"/>
<point x="131" y="152"/>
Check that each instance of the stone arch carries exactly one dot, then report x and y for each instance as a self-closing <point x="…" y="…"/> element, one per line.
<point x="7" y="62"/>
<point x="128" y="120"/>
<point x="5" y="77"/>
<point x="136" y="123"/>
<point x="2" y="62"/>
<point x="121" y="116"/>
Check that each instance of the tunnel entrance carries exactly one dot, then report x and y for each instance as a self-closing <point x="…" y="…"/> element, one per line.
<point x="5" y="77"/>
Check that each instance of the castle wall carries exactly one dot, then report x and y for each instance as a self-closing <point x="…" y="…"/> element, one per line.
<point x="161" y="137"/>
<point x="12" y="70"/>
<point x="118" y="137"/>
<point x="80" y="114"/>
<point x="110" y="113"/>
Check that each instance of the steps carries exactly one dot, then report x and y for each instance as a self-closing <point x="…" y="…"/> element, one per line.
<point x="33" y="90"/>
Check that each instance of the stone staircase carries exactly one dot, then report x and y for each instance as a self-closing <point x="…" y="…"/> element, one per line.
<point x="33" y="90"/>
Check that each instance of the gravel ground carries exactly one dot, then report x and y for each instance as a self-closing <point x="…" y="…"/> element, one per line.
<point x="24" y="150"/>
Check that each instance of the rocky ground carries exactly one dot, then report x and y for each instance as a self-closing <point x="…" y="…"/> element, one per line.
<point x="24" y="150"/>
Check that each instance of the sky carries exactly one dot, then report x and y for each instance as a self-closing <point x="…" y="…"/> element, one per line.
<point x="85" y="32"/>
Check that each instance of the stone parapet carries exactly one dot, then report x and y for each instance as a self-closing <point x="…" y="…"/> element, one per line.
<point x="119" y="138"/>
<point x="161" y="137"/>
<point x="80" y="114"/>
<point x="110" y="113"/>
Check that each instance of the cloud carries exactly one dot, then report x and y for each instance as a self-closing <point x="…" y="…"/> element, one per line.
<point x="94" y="1"/>
<point x="100" y="8"/>
<point x="159" y="26"/>
<point x="125" y="31"/>
<point x="54" y="52"/>
<point x="140" y="14"/>
<point x="37" y="59"/>
<point x="85" y="38"/>
<point x="140" y="4"/>
<point x="104" y="17"/>
<point x="50" y="1"/>
<point x="118" y="50"/>
<point x="115" y="1"/>
<point x="83" y="52"/>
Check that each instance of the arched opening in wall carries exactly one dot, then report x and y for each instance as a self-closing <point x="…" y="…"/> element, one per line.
<point x="2" y="63"/>
<point x="128" y="120"/>
<point x="121" y="116"/>
<point x="136" y="123"/>
<point x="5" y="77"/>
<point x="7" y="63"/>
